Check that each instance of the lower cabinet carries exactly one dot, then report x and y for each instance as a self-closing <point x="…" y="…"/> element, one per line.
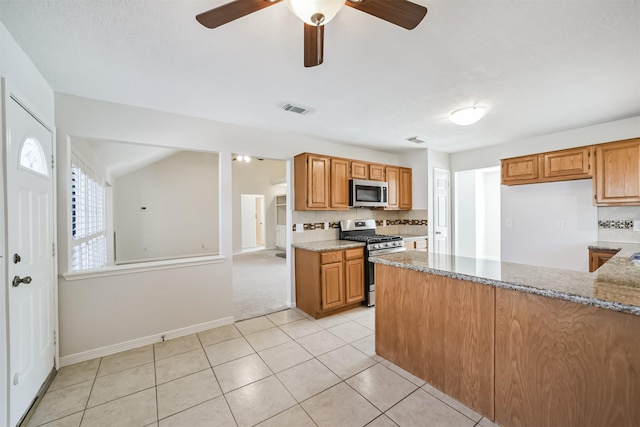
<point x="329" y="282"/>
<point x="439" y="329"/>
<point x="598" y="257"/>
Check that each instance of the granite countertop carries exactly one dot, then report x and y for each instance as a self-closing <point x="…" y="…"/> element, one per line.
<point x="614" y="286"/>
<point x="328" y="245"/>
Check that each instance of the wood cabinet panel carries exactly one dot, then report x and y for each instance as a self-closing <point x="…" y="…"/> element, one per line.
<point x="332" y="285"/>
<point x="567" y="164"/>
<point x="312" y="174"/>
<point x="405" y="189"/>
<point x="597" y="258"/>
<point x="469" y="344"/>
<point x="339" y="184"/>
<point x="559" y="363"/>
<point x="354" y="280"/>
<point x="521" y="170"/>
<point x="410" y="317"/>
<point x="617" y="174"/>
<point x="359" y="170"/>
<point x="393" y="181"/>
<point x="376" y="172"/>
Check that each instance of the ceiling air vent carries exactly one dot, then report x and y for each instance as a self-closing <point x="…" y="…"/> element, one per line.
<point x="417" y="140"/>
<point x="298" y="109"/>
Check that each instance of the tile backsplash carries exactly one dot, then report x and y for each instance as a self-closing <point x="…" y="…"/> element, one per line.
<point x="325" y="225"/>
<point x="615" y="224"/>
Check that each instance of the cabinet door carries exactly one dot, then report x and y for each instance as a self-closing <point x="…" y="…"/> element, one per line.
<point x="339" y="184"/>
<point x="405" y="189"/>
<point x="359" y="170"/>
<point x="567" y="164"/>
<point x="617" y="174"/>
<point x="521" y="170"/>
<point x="376" y="172"/>
<point x="318" y="172"/>
<point x="332" y="285"/>
<point x="393" y="180"/>
<point x="354" y="280"/>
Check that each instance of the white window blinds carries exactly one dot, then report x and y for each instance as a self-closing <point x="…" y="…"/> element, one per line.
<point x="88" y="224"/>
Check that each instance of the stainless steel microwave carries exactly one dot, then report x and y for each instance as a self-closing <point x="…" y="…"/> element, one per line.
<point x="368" y="194"/>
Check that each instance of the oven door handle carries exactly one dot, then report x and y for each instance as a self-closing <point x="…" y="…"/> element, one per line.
<point x="387" y="251"/>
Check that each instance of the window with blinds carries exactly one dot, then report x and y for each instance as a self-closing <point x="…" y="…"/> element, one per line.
<point x="88" y="223"/>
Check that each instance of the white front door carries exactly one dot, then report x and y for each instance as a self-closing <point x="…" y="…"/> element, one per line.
<point x="30" y="263"/>
<point x="441" y="209"/>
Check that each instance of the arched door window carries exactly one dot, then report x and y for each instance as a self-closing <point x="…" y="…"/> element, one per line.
<point x="32" y="157"/>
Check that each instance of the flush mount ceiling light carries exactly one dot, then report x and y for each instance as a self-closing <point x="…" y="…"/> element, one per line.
<point x="468" y="115"/>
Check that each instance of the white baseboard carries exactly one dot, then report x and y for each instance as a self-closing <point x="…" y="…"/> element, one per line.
<point x="140" y="342"/>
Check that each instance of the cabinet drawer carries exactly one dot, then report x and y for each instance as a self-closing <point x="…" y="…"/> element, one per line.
<point x="353" y="253"/>
<point x="329" y="257"/>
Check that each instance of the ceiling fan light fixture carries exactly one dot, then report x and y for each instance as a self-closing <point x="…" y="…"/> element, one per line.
<point x="467" y="115"/>
<point x="315" y="12"/>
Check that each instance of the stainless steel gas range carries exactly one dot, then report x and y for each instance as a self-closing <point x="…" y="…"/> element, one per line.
<point x="376" y="244"/>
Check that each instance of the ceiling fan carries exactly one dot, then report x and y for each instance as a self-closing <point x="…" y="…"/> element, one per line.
<point x="315" y="14"/>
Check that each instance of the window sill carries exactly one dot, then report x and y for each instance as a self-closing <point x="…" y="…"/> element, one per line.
<point x="142" y="267"/>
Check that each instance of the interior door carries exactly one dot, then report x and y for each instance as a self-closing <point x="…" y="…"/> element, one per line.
<point x="441" y="209"/>
<point x="30" y="267"/>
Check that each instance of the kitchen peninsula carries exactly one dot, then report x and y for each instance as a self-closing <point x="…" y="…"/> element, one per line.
<point x="523" y="345"/>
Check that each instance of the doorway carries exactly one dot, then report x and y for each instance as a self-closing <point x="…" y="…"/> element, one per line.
<point x="30" y="267"/>
<point x="477" y="213"/>
<point x="252" y="216"/>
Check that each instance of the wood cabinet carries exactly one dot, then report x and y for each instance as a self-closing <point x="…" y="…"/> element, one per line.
<point x="598" y="257"/>
<point x="521" y="170"/>
<point x="617" y="175"/>
<point x="339" y="184"/>
<point x="441" y="330"/>
<point x="359" y="170"/>
<point x="329" y="282"/>
<point x="376" y="172"/>
<point x="400" y="181"/>
<point x="321" y="183"/>
<point x="560" y="363"/>
<point x="569" y="164"/>
<point x="405" y="189"/>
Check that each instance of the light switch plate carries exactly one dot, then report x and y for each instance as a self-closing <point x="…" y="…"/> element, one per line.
<point x="636" y="225"/>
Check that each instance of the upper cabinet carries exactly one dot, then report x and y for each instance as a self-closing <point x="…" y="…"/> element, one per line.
<point x="322" y="182"/>
<point x="400" y="181"/>
<point x="562" y="165"/>
<point x="614" y="167"/>
<point x="617" y="177"/>
<point x="567" y="164"/>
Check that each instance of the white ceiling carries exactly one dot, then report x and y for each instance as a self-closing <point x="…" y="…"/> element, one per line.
<point x="541" y="66"/>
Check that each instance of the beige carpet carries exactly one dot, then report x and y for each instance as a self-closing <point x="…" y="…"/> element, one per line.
<point x="259" y="283"/>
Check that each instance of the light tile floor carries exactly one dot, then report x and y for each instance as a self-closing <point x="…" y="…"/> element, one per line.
<point x="283" y="369"/>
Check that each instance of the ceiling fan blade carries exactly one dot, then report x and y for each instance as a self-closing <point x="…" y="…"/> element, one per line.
<point x="231" y="11"/>
<point x="313" y="45"/>
<point x="400" y="12"/>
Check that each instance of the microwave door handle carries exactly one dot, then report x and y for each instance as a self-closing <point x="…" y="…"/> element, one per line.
<point x="384" y="194"/>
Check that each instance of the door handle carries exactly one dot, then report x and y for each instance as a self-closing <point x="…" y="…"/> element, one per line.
<point x="17" y="280"/>
<point x="438" y="232"/>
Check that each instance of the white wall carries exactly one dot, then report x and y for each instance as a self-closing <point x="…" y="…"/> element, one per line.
<point x="20" y="77"/>
<point x="488" y="208"/>
<point x="549" y="224"/>
<point x="180" y="197"/>
<point x="465" y="214"/>
<point x="255" y="178"/>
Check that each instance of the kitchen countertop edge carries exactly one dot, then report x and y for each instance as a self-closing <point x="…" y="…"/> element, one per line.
<point x="327" y="245"/>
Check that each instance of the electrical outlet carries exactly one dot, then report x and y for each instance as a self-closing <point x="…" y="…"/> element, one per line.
<point x="299" y="228"/>
<point x="508" y="223"/>
<point x="560" y="224"/>
<point x="636" y="225"/>
<point x="326" y="226"/>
